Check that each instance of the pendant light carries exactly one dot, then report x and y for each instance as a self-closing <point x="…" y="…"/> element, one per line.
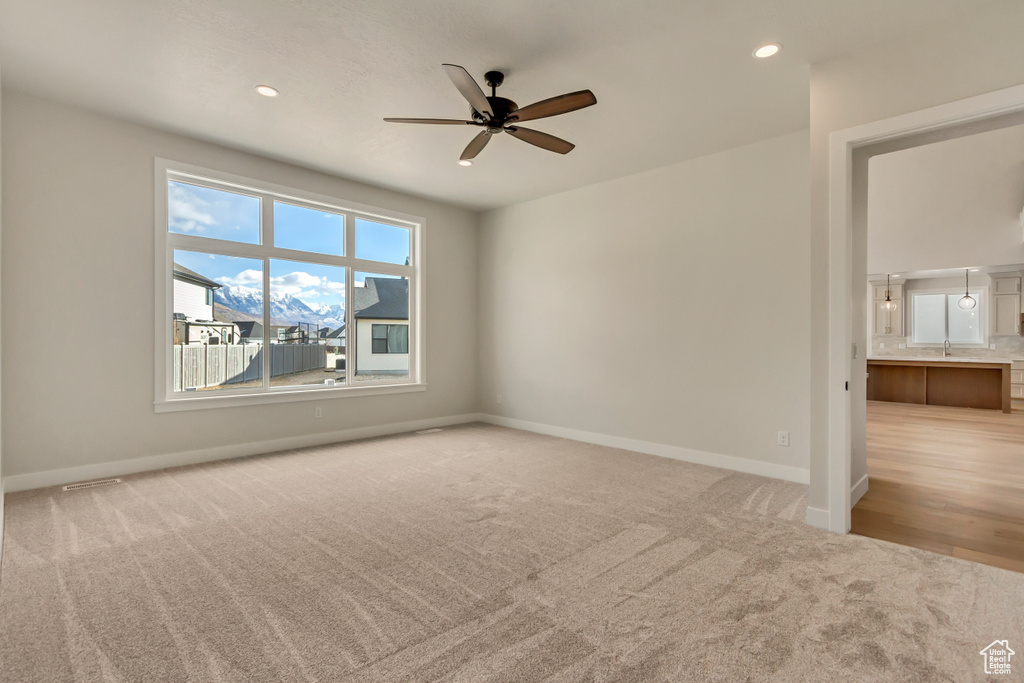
<point x="888" y="304"/>
<point x="967" y="302"/>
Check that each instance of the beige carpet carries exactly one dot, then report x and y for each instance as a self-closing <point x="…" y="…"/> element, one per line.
<point x="475" y="554"/>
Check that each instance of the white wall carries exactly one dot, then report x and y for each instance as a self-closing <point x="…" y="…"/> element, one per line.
<point x="1" y="343"/>
<point x="669" y="307"/>
<point x="366" y="360"/>
<point x="190" y="299"/>
<point x="950" y="204"/>
<point x="947" y="63"/>
<point x="78" y="217"/>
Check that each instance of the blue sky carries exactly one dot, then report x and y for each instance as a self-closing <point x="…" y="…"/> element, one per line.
<point x="204" y="212"/>
<point x="201" y="211"/>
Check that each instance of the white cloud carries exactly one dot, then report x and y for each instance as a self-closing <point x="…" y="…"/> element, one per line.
<point x="246" y="277"/>
<point x="301" y="284"/>
<point x="297" y="279"/>
<point x="185" y="211"/>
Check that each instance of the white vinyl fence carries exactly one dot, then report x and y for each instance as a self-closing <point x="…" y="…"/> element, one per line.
<point x="197" y="367"/>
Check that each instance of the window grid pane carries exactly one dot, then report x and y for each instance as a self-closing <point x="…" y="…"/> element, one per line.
<point x="964" y="325"/>
<point x="218" y="214"/>
<point x="304" y="229"/>
<point x="929" y="318"/>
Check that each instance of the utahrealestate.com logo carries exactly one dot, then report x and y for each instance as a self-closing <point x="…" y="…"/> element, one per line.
<point x="997" y="657"/>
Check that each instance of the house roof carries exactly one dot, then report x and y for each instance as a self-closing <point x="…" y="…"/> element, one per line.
<point x="338" y="333"/>
<point x="250" y="329"/>
<point x="383" y="298"/>
<point x="185" y="275"/>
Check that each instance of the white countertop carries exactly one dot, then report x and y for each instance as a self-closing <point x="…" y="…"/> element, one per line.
<point x="947" y="359"/>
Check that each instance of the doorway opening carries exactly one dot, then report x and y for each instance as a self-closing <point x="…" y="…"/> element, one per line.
<point x="850" y="300"/>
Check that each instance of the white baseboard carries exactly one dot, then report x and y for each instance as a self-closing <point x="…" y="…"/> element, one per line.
<point x="817" y="518"/>
<point x="35" y="480"/>
<point x="858" y="490"/>
<point x="728" y="462"/>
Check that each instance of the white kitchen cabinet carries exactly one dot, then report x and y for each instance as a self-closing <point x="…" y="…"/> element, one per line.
<point x="1005" y="303"/>
<point x="1006" y="313"/>
<point x="895" y="292"/>
<point x="1006" y="285"/>
<point x="889" y="322"/>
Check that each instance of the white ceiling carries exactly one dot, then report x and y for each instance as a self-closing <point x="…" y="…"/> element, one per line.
<point x="674" y="79"/>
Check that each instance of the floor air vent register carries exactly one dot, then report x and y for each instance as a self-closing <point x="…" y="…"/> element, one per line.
<point x="91" y="484"/>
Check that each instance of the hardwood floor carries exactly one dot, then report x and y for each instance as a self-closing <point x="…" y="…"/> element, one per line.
<point x="949" y="480"/>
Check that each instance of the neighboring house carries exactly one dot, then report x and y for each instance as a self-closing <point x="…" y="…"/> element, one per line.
<point x="382" y="326"/>
<point x="193" y="294"/>
<point x="249" y="332"/>
<point x="194" y="321"/>
<point x="292" y="334"/>
<point x="334" y="338"/>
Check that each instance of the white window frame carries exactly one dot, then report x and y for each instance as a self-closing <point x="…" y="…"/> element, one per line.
<point x="980" y="294"/>
<point x="166" y="399"/>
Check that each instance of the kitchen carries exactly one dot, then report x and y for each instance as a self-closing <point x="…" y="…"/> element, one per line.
<point x="942" y="456"/>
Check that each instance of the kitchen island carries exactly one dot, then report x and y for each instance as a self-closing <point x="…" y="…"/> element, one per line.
<point x="951" y="381"/>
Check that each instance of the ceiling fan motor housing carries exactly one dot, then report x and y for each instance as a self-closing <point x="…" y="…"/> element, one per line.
<point x="501" y="108"/>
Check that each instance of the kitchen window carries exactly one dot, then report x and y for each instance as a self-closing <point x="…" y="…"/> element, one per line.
<point x="936" y="318"/>
<point x="288" y="282"/>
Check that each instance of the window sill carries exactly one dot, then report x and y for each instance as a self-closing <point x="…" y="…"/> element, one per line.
<point x="193" y="402"/>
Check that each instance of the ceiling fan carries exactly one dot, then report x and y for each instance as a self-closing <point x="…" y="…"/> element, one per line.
<point x="497" y="114"/>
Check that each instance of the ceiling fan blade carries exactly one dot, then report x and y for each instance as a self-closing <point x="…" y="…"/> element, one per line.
<point x="447" y="122"/>
<point x="542" y="140"/>
<point x="475" y="145"/>
<point x="469" y="89"/>
<point x="555" y="105"/>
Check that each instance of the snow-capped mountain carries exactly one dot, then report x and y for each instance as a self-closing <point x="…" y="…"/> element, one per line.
<point x="285" y="309"/>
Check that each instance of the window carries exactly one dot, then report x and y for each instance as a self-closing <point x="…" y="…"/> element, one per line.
<point x="262" y="293"/>
<point x="936" y="318"/>
<point x="390" y="339"/>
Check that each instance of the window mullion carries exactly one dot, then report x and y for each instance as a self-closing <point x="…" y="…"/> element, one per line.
<point x="267" y="236"/>
<point x="350" y="331"/>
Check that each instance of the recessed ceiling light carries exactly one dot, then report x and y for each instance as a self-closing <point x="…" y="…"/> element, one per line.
<point x="766" y="51"/>
<point x="465" y="162"/>
<point x="975" y="270"/>
<point x="267" y="91"/>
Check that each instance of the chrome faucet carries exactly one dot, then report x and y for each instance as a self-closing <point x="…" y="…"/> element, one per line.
<point x="947" y="349"/>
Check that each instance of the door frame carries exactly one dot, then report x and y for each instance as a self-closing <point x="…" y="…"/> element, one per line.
<point x="954" y="119"/>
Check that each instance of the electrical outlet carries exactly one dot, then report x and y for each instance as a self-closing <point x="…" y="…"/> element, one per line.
<point x="498" y="399"/>
<point x="881" y="345"/>
<point x="318" y="412"/>
<point x="783" y="438"/>
<point x="992" y="346"/>
<point x="903" y="346"/>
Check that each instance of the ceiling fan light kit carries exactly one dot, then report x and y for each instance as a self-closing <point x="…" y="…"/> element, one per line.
<point x="501" y="115"/>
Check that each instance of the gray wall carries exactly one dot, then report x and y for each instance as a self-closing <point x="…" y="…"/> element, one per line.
<point x="670" y="307"/>
<point x="947" y="63"/>
<point x="78" y="251"/>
